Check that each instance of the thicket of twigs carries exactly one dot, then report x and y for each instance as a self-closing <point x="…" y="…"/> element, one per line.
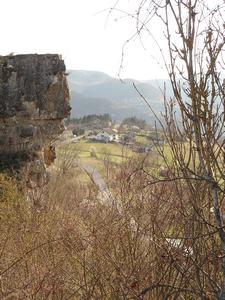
<point x="76" y="247"/>
<point x="161" y="236"/>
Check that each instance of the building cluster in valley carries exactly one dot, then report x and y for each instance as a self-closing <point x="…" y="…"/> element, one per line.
<point x="116" y="133"/>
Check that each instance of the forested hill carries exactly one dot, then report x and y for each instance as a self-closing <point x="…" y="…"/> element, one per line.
<point x="95" y="92"/>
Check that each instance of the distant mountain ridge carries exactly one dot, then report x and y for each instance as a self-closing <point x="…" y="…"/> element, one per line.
<point x="94" y="92"/>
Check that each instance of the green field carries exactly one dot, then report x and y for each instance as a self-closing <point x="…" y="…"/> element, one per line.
<point x="97" y="154"/>
<point x="113" y="151"/>
<point x="143" y="140"/>
<point x="83" y="150"/>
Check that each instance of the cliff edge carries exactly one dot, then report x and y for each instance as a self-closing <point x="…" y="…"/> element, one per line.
<point x="34" y="100"/>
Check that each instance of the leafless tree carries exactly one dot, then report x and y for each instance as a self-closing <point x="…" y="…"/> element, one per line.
<point x="195" y="131"/>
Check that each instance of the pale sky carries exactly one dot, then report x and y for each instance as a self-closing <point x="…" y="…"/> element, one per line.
<point x="75" y="29"/>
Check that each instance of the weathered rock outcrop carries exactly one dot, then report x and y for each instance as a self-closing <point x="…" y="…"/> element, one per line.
<point x="34" y="99"/>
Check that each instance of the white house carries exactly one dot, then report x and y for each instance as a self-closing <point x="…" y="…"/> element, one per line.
<point x="107" y="135"/>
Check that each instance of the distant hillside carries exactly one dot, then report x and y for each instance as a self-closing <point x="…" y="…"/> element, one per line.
<point x="97" y="93"/>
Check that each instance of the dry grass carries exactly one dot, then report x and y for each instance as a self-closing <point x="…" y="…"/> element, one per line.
<point x="75" y="247"/>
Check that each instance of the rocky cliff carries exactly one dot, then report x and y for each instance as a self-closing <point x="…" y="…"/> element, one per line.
<point x="34" y="100"/>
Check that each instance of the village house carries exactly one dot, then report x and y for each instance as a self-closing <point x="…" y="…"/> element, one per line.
<point x="107" y="135"/>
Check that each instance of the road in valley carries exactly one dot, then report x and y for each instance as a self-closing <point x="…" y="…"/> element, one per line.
<point x="105" y="195"/>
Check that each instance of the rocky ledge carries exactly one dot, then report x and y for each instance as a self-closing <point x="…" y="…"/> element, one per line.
<point x="34" y="100"/>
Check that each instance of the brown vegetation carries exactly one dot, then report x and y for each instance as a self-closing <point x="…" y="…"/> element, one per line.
<point x="145" y="247"/>
<point x="163" y="237"/>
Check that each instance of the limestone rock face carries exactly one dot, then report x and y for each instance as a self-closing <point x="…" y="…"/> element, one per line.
<point x="34" y="100"/>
